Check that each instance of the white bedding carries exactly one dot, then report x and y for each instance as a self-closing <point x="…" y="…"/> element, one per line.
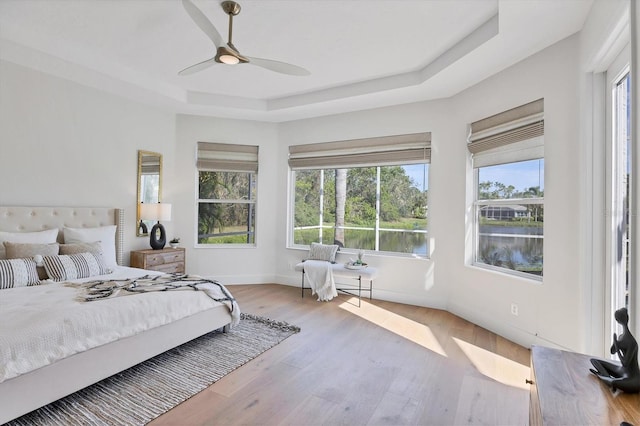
<point x="42" y="324"/>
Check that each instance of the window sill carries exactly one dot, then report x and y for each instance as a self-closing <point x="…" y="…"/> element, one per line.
<point x="354" y="252"/>
<point x="537" y="279"/>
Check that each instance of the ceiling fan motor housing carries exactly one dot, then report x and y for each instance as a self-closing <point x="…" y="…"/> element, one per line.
<point x="230" y="7"/>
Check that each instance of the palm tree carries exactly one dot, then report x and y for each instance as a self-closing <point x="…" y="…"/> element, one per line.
<point x="341" y="201"/>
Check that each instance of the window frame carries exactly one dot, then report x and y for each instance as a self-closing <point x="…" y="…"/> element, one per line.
<point x="227" y="158"/>
<point x="512" y="136"/>
<point x="353" y="250"/>
<point x="357" y="154"/>
<point x="476" y="224"/>
<point x="618" y="271"/>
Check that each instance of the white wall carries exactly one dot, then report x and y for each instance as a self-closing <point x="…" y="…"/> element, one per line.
<point x="549" y="311"/>
<point x="63" y="144"/>
<point x="405" y="280"/>
<point x="229" y="265"/>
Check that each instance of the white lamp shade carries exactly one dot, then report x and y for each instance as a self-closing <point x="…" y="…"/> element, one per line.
<point x="155" y="211"/>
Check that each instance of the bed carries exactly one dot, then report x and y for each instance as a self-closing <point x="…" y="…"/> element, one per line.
<point x="24" y="391"/>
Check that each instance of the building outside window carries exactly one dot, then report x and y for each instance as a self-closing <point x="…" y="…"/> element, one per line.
<point x="364" y="195"/>
<point x="227" y="190"/>
<point x="508" y="164"/>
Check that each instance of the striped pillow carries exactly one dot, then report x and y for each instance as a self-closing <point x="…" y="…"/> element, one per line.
<point x="18" y="273"/>
<point x="74" y="266"/>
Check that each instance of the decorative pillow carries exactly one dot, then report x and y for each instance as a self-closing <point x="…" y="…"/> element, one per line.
<point x="25" y="250"/>
<point x="38" y="237"/>
<point x="106" y="235"/>
<point x="18" y="273"/>
<point x="74" y="266"/>
<point x="326" y="252"/>
<point x="75" y="248"/>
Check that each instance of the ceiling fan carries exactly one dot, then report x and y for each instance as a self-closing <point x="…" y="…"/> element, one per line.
<point x="226" y="53"/>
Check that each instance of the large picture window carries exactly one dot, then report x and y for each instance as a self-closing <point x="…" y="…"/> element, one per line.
<point x="364" y="195"/>
<point x="226" y="193"/>
<point x="508" y="162"/>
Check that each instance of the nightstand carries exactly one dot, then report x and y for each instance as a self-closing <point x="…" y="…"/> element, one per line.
<point x="167" y="260"/>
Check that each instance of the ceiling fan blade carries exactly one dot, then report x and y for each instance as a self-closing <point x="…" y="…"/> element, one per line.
<point x="277" y="66"/>
<point x="198" y="67"/>
<point x="203" y="22"/>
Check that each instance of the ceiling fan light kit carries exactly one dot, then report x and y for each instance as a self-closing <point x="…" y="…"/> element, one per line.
<point x="226" y="53"/>
<point x="229" y="56"/>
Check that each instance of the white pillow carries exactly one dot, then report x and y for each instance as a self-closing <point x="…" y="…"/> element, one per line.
<point x="326" y="252"/>
<point x="105" y="234"/>
<point x="38" y="237"/>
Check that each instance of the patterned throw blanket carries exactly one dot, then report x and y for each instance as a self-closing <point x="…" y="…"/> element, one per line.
<point x="102" y="289"/>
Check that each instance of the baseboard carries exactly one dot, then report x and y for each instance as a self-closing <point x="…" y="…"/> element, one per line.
<point x="378" y="294"/>
<point x="517" y="335"/>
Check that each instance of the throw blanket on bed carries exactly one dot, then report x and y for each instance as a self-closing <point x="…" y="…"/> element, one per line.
<point x="320" y="277"/>
<point x="97" y="290"/>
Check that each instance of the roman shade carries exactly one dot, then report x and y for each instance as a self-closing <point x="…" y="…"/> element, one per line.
<point x="222" y="157"/>
<point x="381" y="151"/>
<point x="510" y="136"/>
<point x="150" y="165"/>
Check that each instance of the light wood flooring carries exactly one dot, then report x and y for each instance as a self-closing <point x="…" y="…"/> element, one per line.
<point x="382" y="364"/>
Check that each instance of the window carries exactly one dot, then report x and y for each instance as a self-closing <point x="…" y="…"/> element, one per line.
<point x="368" y="194"/>
<point x="508" y="162"/>
<point x="620" y="169"/>
<point x="621" y="194"/>
<point x="226" y="194"/>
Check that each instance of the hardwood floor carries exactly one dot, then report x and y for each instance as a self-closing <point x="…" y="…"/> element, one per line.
<point x="382" y="364"/>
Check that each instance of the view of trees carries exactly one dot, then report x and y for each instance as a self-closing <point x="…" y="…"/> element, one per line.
<point x="220" y="222"/>
<point x="349" y="198"/>
<point x="356" y="190"/>
<point x="496" y="190"/>
<point x="499" y="191"/>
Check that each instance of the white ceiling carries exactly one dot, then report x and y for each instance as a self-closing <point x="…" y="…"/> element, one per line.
<point x="361" y="53"/>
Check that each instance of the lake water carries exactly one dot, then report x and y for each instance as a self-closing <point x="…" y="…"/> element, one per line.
<point x="525" y="251"/>
<point x="507" y="248"/>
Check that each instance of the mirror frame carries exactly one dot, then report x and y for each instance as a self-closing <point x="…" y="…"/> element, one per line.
<point x="141" y="155"/>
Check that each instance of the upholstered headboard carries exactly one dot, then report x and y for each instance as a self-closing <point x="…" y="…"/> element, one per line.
<point x="29" y="219"/>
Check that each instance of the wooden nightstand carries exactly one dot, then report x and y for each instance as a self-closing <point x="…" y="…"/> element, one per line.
<point x="167" y="260"/>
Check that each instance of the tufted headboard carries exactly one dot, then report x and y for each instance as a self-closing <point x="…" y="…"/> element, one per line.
<point x="29" y="219"/>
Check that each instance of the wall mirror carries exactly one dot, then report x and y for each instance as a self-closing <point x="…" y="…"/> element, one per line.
<point x="149" y="186"/>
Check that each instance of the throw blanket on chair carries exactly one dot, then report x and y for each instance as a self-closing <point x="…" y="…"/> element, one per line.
<point x="320" y="277"/>
<point x="96" y="290"/>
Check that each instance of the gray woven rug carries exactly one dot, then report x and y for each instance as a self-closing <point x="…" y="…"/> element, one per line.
<point x="149" y="389"/>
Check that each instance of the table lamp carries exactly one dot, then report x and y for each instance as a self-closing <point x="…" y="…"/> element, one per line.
<point x="156" y="212"/>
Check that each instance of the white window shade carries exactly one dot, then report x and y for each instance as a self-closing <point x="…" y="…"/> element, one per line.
<point x="227" y="157"/>
<point x="513" y="135"/>
<point x="389" y="150"/>
<point x="150" y="165"/>
<point x="530" y="149"/>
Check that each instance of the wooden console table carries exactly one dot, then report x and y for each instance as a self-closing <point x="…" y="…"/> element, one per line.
<point x="565" y="392"/>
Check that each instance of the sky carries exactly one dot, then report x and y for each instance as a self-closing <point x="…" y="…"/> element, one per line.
<point x="521" y="175"/>
<point x="419" y="174"/>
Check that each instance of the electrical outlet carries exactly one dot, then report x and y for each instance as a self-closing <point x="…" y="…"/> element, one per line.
<point x="514" y="309"/>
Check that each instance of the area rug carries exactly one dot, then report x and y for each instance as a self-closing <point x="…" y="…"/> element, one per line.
<point x="149" y="389"/>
